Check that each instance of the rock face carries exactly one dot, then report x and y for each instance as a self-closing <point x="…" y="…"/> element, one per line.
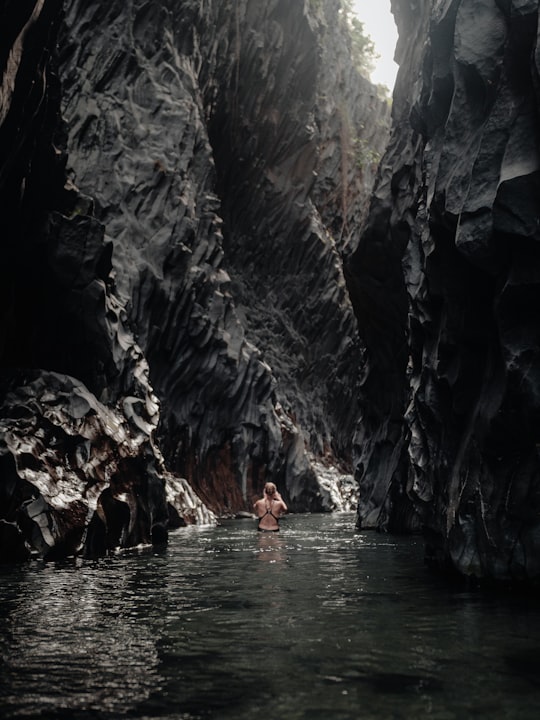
<point x="445" y="283"/>
<point x="182" y="331"/>
<point x="187" y="316"/>
<point x="78" y="477"/>
<point x="222" y="166"/>
<point x="78" y="474"/>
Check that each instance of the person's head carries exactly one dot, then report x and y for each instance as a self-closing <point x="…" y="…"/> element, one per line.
<point x="270" y="489"/>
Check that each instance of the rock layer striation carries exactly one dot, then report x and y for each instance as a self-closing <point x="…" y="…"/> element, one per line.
<point x="446" y="286"/>
<point x="218" y="140"/>
<point x="179" y="184"/>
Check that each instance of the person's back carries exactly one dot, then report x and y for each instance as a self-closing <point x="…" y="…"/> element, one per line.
<point x="269" y="509"/>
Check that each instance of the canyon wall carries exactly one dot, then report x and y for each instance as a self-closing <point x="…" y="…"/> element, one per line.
<point x="78" y="473"/>
<point x="445" y="283"/>
<point x="219" y="141"/>
<point x="179" y="185"/>
<point x="189" y="307"/>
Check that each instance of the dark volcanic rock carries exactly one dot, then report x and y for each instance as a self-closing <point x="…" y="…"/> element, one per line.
<point x="194" y="296"/>
<point x="60" y="311"/>
<point x="78" y="477"/>
<point x="450" y="258"/>
<point x="218" y="141"/>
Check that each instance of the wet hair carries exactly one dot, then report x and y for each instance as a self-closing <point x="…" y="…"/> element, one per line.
<point x="270" y="488"/>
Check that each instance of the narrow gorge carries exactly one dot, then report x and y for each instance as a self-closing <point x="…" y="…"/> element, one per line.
<point x="228" y="259"/>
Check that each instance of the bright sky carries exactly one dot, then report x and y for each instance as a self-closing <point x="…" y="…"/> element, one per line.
<point x="380" y="26"/>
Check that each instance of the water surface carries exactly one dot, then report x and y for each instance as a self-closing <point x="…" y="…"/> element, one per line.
<point x="318" y="621"/>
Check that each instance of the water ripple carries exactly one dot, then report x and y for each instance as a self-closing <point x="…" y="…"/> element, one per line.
<point x="317" y="622"/>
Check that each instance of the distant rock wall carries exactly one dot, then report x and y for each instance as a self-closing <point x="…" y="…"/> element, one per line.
<point x="218" y="140"/>
<point x="175" y="323"/>
<point x="447" y="287"/>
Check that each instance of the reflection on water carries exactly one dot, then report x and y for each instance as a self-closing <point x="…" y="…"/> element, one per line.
<point x="317" y="621"/>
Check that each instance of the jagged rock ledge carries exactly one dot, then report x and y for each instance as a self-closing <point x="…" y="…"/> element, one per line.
<point x="78" y="478"/>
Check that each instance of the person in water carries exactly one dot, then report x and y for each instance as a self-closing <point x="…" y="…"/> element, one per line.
<point x="269" y="509"/>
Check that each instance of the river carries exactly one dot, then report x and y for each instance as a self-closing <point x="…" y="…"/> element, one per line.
<point x="316" y="622"/>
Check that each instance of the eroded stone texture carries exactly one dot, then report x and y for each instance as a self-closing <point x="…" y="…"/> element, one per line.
<point x="218" y="140"/>
<point x="80" y="477"/>
<point x="60" y="311"/>
<point x="195" y="292"/>
<point x="455" y="216"/>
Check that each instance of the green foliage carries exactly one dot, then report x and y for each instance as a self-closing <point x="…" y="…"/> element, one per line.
<point x="364" y="154"/>
<point x="362" y="47"/>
